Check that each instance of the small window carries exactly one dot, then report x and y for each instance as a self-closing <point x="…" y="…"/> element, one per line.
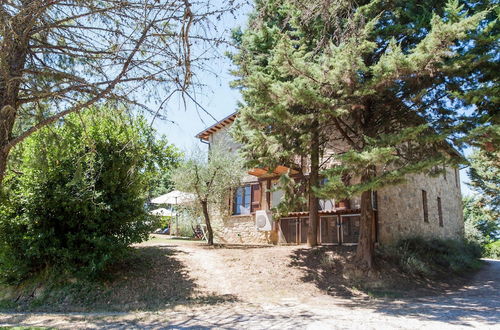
<point x="374" y="200"/>
<point x="440" y="212"/>
<point x="457" y="177"/>
<point x="424" y="206"/>
<point x="276" y="196"/>
<point x="325" y="204"/>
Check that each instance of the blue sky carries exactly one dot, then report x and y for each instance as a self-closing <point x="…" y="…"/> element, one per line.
<point x="184" y="122"/>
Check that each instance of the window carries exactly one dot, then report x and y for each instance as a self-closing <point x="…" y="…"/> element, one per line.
<point x="457" y="177"/>
<point x="242" y="200"/>
<point x="325" y="204"/>
<point x="440" y="212"/>
<point x="424" y="205"/>
<point x="374" y="200"/>
<point x="276" y="195"/>
<point x="246" y="199"/>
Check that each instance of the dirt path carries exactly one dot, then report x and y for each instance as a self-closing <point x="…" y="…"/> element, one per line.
<point x="269" y="294"/>
<point x="256" y="275"/>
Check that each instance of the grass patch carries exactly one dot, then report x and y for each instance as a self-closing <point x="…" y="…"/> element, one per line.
<point x="492" y="250"/>
<point x="413" y="267"/>
<point x="151" y="278"/>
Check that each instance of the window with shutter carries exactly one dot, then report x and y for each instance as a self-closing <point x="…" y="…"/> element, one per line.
<point x="246" y="199"/>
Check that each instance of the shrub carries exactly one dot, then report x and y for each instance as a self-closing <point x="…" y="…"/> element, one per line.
<point x="434" y="257"/>
<point x="473" y="234"/>
<point x="76" y="201"/>
<point x="492" y="250"/>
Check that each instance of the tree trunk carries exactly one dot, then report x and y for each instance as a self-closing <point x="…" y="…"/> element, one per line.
<point x="3" y="165"/>
<point x="204" y="206"/>
<point x="7" y="119"/>
<point x="15" y="43"/>
<point x="312" y="230"/>
<point x="366" y="244"/>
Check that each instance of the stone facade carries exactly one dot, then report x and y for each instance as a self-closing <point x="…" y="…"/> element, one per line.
<point x="239" y="229"/>
<point x="401" y="210"/>
<point x="222" y="136"/>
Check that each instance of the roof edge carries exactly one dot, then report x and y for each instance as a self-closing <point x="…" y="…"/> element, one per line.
<point x="204" y="135"/>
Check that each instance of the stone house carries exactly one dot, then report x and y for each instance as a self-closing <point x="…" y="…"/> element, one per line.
<point x="423" y="205"/>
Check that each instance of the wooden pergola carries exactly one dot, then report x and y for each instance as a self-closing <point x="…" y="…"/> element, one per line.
<point x="277" y="171"/>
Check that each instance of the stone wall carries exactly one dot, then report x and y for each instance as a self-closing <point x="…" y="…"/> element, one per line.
<point x="224" y="137"/>
<point x="400" y="208"/>
<point x="239" y="229"/>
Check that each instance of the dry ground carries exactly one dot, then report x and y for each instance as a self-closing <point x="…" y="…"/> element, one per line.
<point x="193" y="286"/>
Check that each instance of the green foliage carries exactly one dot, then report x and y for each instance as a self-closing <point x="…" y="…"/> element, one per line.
<point x="164" y="222"/>
<point x="484" y="173"/>
<point x="210" y="176"/>
<point x="482" y="210"/>
<point x="293" y="198"/>
<point x="482" y="225"/>
<point x="482" y="218"/>
<point x="370" y="76"/>
<point x="492" y="250"/>
<point x="186" y="220"/>
<point x="473" y="234"/>
<point x="162" y="183"/>
<point x="75" y="201"/>
<point x="434" y="257"/>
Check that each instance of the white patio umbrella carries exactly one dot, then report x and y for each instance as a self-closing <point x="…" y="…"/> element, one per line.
<point x="175" y="197"/>
<point x="163" y="212"/>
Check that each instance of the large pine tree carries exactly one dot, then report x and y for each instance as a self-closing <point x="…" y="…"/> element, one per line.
<point x="273" y="128"/>
<point x="379" y="74"/>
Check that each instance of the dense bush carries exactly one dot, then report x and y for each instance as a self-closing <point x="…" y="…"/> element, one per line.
<point x="482" y="224"/>
<point x="75" y="200"/>
<point x="434" y="257"/>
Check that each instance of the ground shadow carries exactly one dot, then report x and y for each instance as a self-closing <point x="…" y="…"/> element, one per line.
<point x="151" y="278"/>
<point x="324" y="267"/>
<point x="477" y="300"/>
<point x="461" y="302"/>
<point x="237" y="246"/>
<point x="257" y="318"/>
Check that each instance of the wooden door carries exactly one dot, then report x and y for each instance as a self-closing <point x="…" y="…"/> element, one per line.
<point x="329" y="230"/>
<point x="350" y="229"/>
<point x="304" y="225"/>
<point x="289" y="228"/>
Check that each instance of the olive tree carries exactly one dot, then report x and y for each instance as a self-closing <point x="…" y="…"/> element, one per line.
<point x="210" y="177"/>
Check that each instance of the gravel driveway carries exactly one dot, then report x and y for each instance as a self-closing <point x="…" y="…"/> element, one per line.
<point x="261" y="306"/>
